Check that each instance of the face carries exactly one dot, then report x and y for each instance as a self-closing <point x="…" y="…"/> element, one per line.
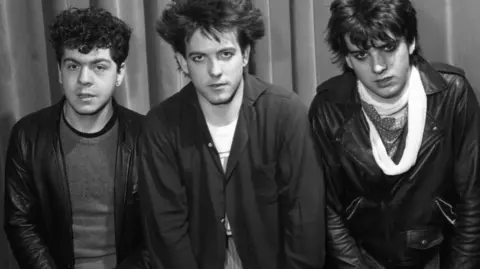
<point x="383" y="69"/>
<point x="89" y="80"/>
<point x="215" y="68"/>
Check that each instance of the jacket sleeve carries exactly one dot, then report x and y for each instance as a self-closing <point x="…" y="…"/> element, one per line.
<point x="163" y="199"/>
<point x="302" y="193"/>
<point x="139" y="257"/>
<point x="342" y="249"/>
<point x="22" y="213"/>
<point x="465" y="242"/>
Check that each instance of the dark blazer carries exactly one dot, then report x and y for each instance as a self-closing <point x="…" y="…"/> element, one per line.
<point x="272" y="191"/>
<point x="38" y="216"/>
<point x="402" y="221"/>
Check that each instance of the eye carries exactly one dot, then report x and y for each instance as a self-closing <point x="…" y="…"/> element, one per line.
<point x="100" y="68"/>
<point x="226" y="54"/>
<point x="72" y="66"/>
<point x="197" y="58"/>
<point x="362" y="55"/>
<point x="390" y="47"/>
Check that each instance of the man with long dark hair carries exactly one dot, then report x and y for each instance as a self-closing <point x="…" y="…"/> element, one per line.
<point x="399" y="138"/>
<point x="229" y="176"/>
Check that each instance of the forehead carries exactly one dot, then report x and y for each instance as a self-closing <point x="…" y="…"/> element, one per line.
<point x="94" y="55"/>
<point x="205" y="43"/>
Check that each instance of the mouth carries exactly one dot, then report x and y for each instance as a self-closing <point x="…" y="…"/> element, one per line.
<point x="384" y="82"/>
<point x="85" y="96"/>
<point x="217" y="85"/>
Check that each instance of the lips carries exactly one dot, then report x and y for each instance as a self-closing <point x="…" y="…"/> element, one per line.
<point x="218" y="84"/>
<point x="85" y="96"/>
<point x="383" y="79"/>
<point x="384" y="82"/>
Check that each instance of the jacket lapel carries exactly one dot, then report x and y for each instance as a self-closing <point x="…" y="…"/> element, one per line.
<point x="246" y="119"/>
<point x="240" y="139"/>
<point x="120" y="187"/>
<point x="122" y="169"/>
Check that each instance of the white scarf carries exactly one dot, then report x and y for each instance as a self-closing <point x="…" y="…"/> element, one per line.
<point x="417" y="111"/>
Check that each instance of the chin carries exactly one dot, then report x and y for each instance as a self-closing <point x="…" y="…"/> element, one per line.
<point x="87" y="111"/>
<point x="221" y="100"/>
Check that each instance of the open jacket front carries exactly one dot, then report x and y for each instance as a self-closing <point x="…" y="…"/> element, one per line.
<point x="404" y="221"/>
<point x="38" y="216"/>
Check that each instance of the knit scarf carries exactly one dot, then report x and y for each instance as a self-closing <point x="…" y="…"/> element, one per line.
<point x="416" y="99"/>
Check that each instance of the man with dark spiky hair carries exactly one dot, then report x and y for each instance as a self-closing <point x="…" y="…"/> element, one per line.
<point x="229" y="175"/>
<point x="400" y="139"/>
<point x="71" y="197"/>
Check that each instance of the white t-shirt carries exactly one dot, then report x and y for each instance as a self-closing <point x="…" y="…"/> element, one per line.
<point x="222" y="138"/>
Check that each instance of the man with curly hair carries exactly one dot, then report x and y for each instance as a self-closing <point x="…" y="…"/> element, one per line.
<point x="229" y="175"/>
<point x="71" y="191"/>
<point x="400" y="139"/>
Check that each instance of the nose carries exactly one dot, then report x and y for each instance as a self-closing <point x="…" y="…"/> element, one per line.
<point x="214" y="68"/>
<point x="85" y="77"/>
<point x="379" y="63"/>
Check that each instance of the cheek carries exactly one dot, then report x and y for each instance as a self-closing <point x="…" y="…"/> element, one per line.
<point x="361" y="69"/>
<point x="196" y="76"/>
<point x="402" y="59"/>
<point x="235" y="68"/>
<point x="197" y="71"/>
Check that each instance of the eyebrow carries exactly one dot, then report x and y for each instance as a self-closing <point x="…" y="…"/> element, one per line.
<point x="389" y="43"/>
<point x="91" y="62"/>
<point x="356" y="51"/>
<point x="203" y="53"/>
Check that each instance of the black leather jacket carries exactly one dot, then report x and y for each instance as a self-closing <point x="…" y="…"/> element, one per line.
<point x="38" y="216"/>
<point x="402" y="221"/>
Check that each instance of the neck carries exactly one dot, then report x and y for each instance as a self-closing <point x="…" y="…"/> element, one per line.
<point x="221" y="115"/>
<point x="88" y="123"/>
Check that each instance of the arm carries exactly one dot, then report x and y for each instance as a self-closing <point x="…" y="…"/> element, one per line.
<point x="465" y="241"/>
<point x="21" y="210"/>
<point x="163" y="200"/>
<point x="342" y="249"/>
<point x="301" y="190"/>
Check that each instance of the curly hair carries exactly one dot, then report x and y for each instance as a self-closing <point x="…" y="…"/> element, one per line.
<point x="87" y="29"/>
<point x="179" y="21"/>
<point x="367" y="22"/>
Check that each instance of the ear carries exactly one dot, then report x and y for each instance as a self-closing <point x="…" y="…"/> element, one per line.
<point x="246" y="55"/>
<point x="411" y="48"/>
<point x="59" y="74"/>
<point x="182" y="62"/>
<point x="348" y="61"/>
<point x="121" y="74"/>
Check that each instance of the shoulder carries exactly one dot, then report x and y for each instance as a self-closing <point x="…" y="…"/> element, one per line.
<point x="337" y="89"/>
<point x="445" y="68"/>
<point x="165" y="118"/>
<point x="334" y="92"/>
<point x="36" y="121"/>
<point x="131" y="121"/>
<point x="168" y="109"/>
<point x="280" y="102"/>
<point x="455" y="78"/>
